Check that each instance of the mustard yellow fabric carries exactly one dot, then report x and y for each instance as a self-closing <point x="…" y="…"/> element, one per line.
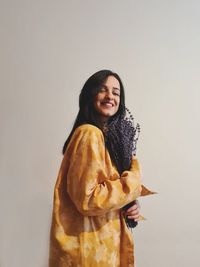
<point x="88" y="228"/>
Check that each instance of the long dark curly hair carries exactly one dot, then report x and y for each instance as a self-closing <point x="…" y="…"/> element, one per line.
<point x="120" y="133"/>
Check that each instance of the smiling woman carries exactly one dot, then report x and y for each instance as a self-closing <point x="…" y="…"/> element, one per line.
<point x="98" y="177"/>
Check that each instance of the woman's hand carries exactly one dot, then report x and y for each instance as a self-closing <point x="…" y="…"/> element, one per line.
<point x="133" y="212"/>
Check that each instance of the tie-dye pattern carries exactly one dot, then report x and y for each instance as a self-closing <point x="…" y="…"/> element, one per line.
<point x="88" y="229"/>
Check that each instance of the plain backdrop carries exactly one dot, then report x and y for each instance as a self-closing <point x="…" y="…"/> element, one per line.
<point x="47" y="51"/>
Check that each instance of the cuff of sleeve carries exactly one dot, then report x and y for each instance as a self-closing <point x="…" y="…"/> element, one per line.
<point x="145" y="191"/>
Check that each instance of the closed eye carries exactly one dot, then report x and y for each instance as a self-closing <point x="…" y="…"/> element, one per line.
<point x="116" y="93"/>
<point x="103" y="89"/>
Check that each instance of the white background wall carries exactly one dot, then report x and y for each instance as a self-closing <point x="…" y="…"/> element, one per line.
<point x="48" y="50"/>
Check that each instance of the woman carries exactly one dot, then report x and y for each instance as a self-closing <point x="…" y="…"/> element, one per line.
<point x="98" y="177"/>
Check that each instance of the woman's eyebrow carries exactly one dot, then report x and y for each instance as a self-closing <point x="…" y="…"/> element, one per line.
<point x="115" y="88"/>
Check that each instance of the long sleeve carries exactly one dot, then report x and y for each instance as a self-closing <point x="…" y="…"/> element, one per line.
<point x="89" y="184"/>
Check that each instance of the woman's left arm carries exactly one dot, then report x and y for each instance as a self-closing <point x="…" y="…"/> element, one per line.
<point x="88" y="183"/>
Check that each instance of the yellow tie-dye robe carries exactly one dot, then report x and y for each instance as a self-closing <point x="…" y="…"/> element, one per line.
<point x="88" y="228"/>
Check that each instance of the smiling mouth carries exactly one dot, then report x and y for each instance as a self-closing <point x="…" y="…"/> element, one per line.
<point x="107" y="104"/>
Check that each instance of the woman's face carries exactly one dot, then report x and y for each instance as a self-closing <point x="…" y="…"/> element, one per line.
<point x="107" y="99"/>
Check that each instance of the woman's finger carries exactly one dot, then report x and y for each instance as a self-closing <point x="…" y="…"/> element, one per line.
<point x="134" y="207"/>
<point x="134" y="217"/>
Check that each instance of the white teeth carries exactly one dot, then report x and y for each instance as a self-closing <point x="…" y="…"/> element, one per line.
<point x="107" y="104"/>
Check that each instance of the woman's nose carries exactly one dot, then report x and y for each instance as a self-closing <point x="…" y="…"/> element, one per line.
<point x="109" y="95"/>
